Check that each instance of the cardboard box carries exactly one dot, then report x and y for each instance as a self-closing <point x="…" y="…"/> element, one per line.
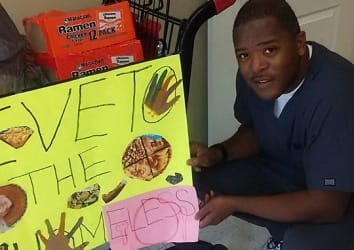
<point x="76" y="65"/>
<point x="56" y="32"/>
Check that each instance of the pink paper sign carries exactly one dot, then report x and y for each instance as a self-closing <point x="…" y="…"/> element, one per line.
<point x="163" y="215"/>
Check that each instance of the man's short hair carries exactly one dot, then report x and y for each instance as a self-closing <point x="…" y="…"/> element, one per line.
<point x="279" y="9"/>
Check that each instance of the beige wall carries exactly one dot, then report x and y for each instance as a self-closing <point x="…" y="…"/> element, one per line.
<point x="198" y="104"/>
<point x="197" y="108"/>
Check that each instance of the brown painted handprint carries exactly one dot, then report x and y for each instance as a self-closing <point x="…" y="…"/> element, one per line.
<point x="60" y="241"/>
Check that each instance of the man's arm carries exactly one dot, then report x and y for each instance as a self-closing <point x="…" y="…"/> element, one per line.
<point x="242" y="144"/>
<point x="303" y="206"/>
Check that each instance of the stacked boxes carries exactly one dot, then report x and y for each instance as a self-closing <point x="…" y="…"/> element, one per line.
<point x="73" y="65"/>
<point x="75" y="44"/>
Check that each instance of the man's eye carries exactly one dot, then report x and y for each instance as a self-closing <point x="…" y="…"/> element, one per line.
<point x="242" y="56"/>
<point x="269" y="50"/>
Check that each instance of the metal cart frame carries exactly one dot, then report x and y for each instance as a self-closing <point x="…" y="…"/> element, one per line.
<point x="177" y="36"/>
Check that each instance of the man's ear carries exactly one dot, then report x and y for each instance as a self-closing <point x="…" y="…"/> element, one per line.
<point x="301" y="43"/>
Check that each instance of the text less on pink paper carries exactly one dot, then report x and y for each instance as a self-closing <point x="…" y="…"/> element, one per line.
<point x="164" y="215"/>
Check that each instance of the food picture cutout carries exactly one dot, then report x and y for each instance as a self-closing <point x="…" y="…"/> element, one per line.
<point x="13" y="205"/>
<point x="146" y="157"/>
<point x="174" y="179"/>
<point x="108" y="197"/>
<point x="16" y="137"/>
<point x="84" y="197"/>
<point x="4" y="246"/>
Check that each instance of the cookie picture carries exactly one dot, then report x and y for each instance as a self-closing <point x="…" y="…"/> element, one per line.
<point x="16" y="136"/>
<point x="146" y="157"/>
<point x="13" y="204"/>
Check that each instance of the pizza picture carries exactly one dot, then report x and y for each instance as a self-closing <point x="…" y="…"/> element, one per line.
<point x="16" y="136"/>
<point x="146" y="157"/>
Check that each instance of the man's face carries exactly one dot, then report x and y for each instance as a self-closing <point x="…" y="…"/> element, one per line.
<point x="269" y="57"/>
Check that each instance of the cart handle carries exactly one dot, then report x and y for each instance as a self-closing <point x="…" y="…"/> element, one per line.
<point x="198" y="17"/>
<point x="221" y="5"/>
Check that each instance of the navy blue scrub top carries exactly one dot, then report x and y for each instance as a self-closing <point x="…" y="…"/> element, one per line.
<point x="311" y="144"/>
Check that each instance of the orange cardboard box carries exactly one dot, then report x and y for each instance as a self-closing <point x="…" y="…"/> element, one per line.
<point x="56" y="32"/>
<point x="75" y="65"/>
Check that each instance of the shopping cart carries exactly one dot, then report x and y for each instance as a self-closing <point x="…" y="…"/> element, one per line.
<point x="162" y="34"/>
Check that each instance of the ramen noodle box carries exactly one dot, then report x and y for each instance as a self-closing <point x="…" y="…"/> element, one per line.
<point x="57" y="33"/>
<point x="86" y="63"/>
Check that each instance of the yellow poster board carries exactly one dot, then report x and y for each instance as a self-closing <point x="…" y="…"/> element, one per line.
<point x="65" y="146"/>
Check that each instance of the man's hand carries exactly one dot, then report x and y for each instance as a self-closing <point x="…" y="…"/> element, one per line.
<point x="214" y="209"/>
<point x="242" y="144"/>
<point x="203" y="157"/>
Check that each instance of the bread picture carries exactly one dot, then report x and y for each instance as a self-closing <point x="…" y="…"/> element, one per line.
<point x="146" y="157"/>
<point x="16" y="136"/>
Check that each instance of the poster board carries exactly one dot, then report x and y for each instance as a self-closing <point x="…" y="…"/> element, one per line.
<point x="65" y="146"/>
